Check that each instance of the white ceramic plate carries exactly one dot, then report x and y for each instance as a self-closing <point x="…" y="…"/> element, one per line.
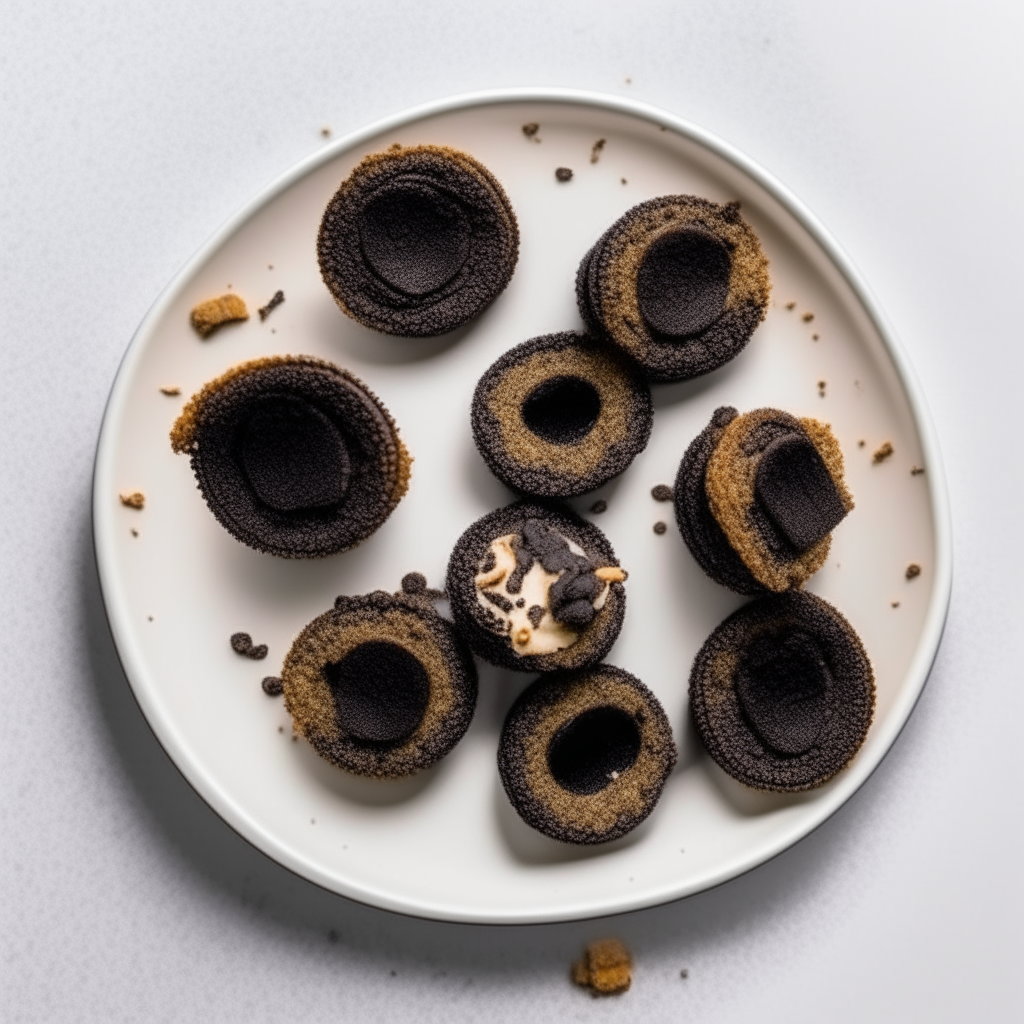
<point x="446" y="844"/>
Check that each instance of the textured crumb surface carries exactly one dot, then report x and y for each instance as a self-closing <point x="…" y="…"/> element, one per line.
<point x="558" y="416"/>
<point x="782" y="693"/>
<point x="606" y="967"/>
<point x="883" y="452"/>
<point x="296" y="415"/>
<point x="133" y="499"/>
<point x="207" y="316"/>
<point x="275" y="300"/>
<point x="584" y="755"/>
<point x="417" y="241"/>
<point x="380" y="685"/>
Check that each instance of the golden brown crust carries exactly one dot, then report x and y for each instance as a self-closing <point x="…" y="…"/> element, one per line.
<point x="207" y="316"/>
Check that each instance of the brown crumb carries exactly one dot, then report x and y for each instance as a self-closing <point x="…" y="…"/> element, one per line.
<point x="684" y="973"/>
<point x="807" y="317"/>
<point x="272" y="686"/>
<point x="814" y="337"/>
<point x="623" y="180"/>
<point x="790" y="305"/>
<point x="916" y="470"/>
<point x="660" y="527"/>
<point x="822" y="384"/>
<point x="530" y="130"/>
<point x="913" y="570"/>
<point x="275" y="300"/>
<point x="135" y="532"/>
<point x="270" y="266"/>
<point x="241" y="643"/>
<point x="661" y="492"/>
<point x="209" y="315"/>
<point x="170" y="390"/>
<point x="605" y="968"/>
<point x="895" y="604"/>
<point x="883" y="453"/>
<point x="325" y="131"/>
<point x="599" y="506"/>
<point x="563" y="173"/>
<point x="861" y="443"/>
<point x="595" y="150"/>
<point x="136" y="499"/>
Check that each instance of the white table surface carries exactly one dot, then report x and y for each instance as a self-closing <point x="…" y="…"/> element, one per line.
<point x="127" y="135"/>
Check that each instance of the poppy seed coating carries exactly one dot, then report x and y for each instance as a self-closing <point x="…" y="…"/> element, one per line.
<point x="560" y="415"/>
<point x="417" y="240"/>
<point x="486" y="632"/>
<point x="584" y="755"/>
<point x="782" y="693"/>
<point x="293" y="455"/>
<point x="380" y="685"/>
<point x="678" y="282"/>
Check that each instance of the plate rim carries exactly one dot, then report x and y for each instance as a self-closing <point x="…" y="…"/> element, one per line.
<point x="282" y="853"/>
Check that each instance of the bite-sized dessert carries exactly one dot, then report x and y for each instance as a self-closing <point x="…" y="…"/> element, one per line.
<point x="417" y="240"/>
<point x="757" y="497"/>
<point x="207" y="316"/>
<point x="294" y="456"/>
<point x="782" y="693"/>
<point x="381" y="685"/>
<point x="535" y="588"/>
<point x="558" y="415"/>
<point x="677" y="282"/>
<point x="584" y="755"/>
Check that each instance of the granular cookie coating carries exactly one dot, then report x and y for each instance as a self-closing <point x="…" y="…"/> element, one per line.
<point x="294" y="456"/>
<point x="417" y="240"/>
<point x="678" y="282"/>
<point x="559" y="415"/>
<point x="535" y="588"/>
<point x="782" y="693"/>
<point x="584" y="755"/>
<point x="381" y="685"/>
<point x="757" y="496"/>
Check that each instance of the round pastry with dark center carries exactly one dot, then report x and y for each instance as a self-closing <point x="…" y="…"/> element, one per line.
<point x="559" y="415"/>
<point x="584" y="755"/>
<point x="678" y="282"/>
<point x="782" y="693"/>
<point x="381" y="685"/>
<point x="757" y="497"/>
<point x="536" y="588"/>
<point x="417" y="240"/>
<point x="293" y="455"/>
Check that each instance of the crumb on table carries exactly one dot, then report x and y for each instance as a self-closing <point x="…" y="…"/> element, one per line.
<point x="913" y="570"/>
<point x="563" y="173"/>
<point x="822" y="384"/>
<point x="530" y="130"/>
<point x="325" y="131"/>
<point x="807" y="317"/>
<point x="275" y="300"/>
<point x="211" y="314"/>
<point x="595" y="150"/>
<point x="883" y="453"/>
<point x="605" y="967"/>
<point x="660" y="527"/>
<point x="170" y="390"/>
<point x="661" y="492"/>
<point x="272" y="686"/>
<point x="895" y="604"/>
<point x="135" y="532"/>
<point x="241" y="643"/>
<point x="135" y="499"/>
<point x="916" y="470"/>
<point x="599" y="506"/>
<point x="790" y="306"/>
<point x="814" y="337"/>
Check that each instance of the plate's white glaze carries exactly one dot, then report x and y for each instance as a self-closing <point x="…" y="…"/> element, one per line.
<point x="446" y="844"/>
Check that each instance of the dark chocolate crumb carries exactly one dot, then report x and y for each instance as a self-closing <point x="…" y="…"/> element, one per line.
<point x="623" y="180"/>
<point x="595" y="150"/>
<point x="814" y="337"/>
<point x="325" y="131"/>
<point x="563" y="173"/>
<point x="272" y="686"/>
<point x="414" y="583"/>
<point x="807" y="317"/>
<point x="860" y="444"/>
<point x="241" y="643"/>
<point x="790" y="305"/>
<point x="684" y="973"/>
<point x="599" y="506"/>
<point x="535" y="614"/>
<point x="895" y="604"/>
<point x="661" y="492"/>
<point x="275" y="300"/>
<point x="521" y="603"/>
<point x="258" y="653"/>
<point x="913" y="570"/>
<point x="883" y="453"/>
<point x="530" y="130"/>
<point x="170" y="390"/>
<point x="135" y="532"/>
<point x="916" y="470"/>
<point x="660" y="528"/>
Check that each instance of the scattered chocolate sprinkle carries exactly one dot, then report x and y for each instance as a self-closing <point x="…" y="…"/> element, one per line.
<point x="275" y="300"/>
<point x="535" y="614"/>
<point x="136" y="499"/>
<point x="605" y="967"/>
<point x="563" y="173"/>
<point x="325" y="131"/>
<point x="790" y="305"/>
<point x="414" y="583"/>
<point x="660" y="527"/>
<point x="272" y="687"/>
<point x="150" y="617"/>
<point x="916" y="470"/>
<point x="814" y="337"/>
<point x="661" y="492"/>
<point x="807" y="317"/>
<point x="270" y="266"/>
<point x="258" y="653"/>
<point x="860" y="444"/>
<point x="821" y="387"/>
<point x="913" y="570"/>
<point x="895" y="604"/>
<point x="599" y="506"/>
<point x="170" y="391"/>
<point x="623" y="180"/>
<point x="241" y="643"/>
<point x="595" y="150"/>
<point x="530" y="130"/>
<point x="209" y="315"/>
<point x="135" y="532"/>
<point x="883" y="453"/>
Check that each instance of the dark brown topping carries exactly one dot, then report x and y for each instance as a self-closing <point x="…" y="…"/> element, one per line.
<point x="241" y="643"/>
<point x="595" y="150"/>
<point x="272" y="686"/>
<point x="599" y="506"/>
<point x="563" y="173"/>
<point x="275" y="300"/>
<point x="884" y="451"/>
<point x="535" y="614"/>
<point x="591" y="750"/>
<point x="660" y="527"/>
<point x="661" y="492"/>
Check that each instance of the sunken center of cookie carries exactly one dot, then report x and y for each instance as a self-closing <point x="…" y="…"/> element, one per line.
<point x="593" y="749"/>
<point x="782" y="690"/>
<point x="414" y="236"/>
<point x="683" y="282"/>
<point x="380" y="690"/>
<point x="562" y="409"/>
<point x="293" y="456"/>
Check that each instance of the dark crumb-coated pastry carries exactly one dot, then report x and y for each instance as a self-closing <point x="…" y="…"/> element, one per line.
<point x="417" y="241"/>
<point x="381" y="685"/>
<point x="293" y="455"/>
<point x="535" y="588"/>
<point x="757" y="497"/>
<point x="678" y="282"/>
<point x="559" y="415"/>
<point x="782" y="693"/>
<point x="584" y="755"/>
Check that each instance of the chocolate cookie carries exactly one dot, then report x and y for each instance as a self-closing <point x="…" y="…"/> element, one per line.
<point x="417" y="240"/>
<point x="782" y="693"/>
<point x="757" y="497"/>
<point x="381" y="685"/>
<point x="293" y="455"/>
<point x="535" y="588"/>
<point x="558" y="415"/>
<point x="679" y="283"/>
<point x="584" y="755"/>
